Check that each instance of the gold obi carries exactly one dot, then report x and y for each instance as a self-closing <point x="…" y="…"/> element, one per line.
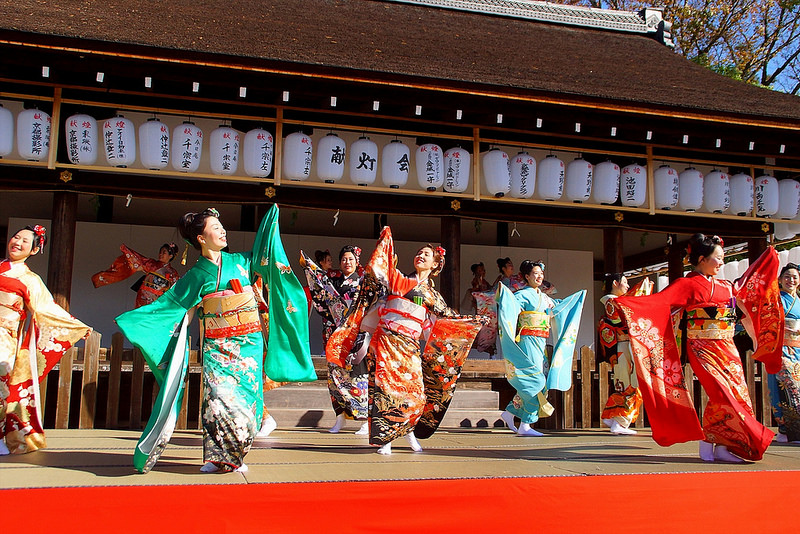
<point x="402" y="316"/>
<point x="710" y="323"/>
<point x="533" y="323"/>
<point x="226" y="313"/>
<point x="791" y="333"/>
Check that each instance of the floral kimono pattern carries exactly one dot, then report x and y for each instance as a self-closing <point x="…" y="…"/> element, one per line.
<point x="332" y="294"/>
<point x="27" y="355"/>
<point x="157" y="279"/>
<point x="525" y="319"/>
<point x="388" y="320"/>
<point x="707" y="307"/>
<point x="784" y="386"/>
<point x="234" y="359"/>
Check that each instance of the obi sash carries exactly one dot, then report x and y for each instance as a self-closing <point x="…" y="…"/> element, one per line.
<point x="226" y="313"/>
<point x="155" y="284"/>
<point x="710" y="322"/>
<point x="402" y="316"/>
<point x="533" y="323"/>
<point x="791" y="333"/>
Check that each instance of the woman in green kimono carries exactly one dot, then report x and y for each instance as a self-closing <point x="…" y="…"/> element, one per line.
<point x="220" y="286"/>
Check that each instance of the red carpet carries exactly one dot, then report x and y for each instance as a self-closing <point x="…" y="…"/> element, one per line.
<point x="674" y="503"/>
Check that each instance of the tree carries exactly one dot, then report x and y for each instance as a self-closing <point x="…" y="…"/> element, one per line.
<point x="757" y="41"/>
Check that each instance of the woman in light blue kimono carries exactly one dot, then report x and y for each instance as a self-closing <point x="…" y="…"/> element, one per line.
<point x="524" y="324"/>
<point x="220" y="285"/>
<point x="784" y="386"/>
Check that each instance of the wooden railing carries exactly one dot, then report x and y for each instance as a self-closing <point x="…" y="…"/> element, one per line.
<point x="113" y="388"/>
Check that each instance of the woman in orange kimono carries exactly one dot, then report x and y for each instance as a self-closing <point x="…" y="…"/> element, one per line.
<point x="159" y="274"/>
<point x="730" y="431"/>
<point x="27" y="356"/>
<point x="409" y="392"/>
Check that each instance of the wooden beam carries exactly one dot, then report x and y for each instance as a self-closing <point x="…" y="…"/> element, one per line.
<point x="62" y="244"/>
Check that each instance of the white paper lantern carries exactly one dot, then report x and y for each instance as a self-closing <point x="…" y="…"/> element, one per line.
<point x="257" y="151"/>
<point x="741" y="194"/>
<point x="662" y="282"/>
<point x="331" y="152"/>
<point x="783" y="255"/>
<point x="789" y="201"/>
<point x="633" y="185"/>
<point x="187" y="147"/>
<point x="523" y="175"/>
<point x="154" y="144"/>
<point x="578" y="181"/>
<point x="794" y="252"/>
<point x="297" y="156"/>
<point x="119" y="141"/>
<point x="784" y="232"/>
<point x="429" y="161"/>
<point x="767" y="192"/>
<point x="456" y="170"/>
<point x="395" y="164"/>
<point x="363" y="161"/>
<point x="605" y="182"/>
<point x="496" y="172"/>
<point x="690" y="190"/>
<point x="6" y="132"/>
<point x="716" y="191"/>
<point x="550" y="178"/>
<point x="80" y="134"/>
<point x="33" y="134"/>
<point x="223" y="150"/>
<point x="666" y="185"/>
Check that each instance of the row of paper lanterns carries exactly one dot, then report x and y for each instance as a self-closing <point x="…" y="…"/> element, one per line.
<point x="519" y="176"/>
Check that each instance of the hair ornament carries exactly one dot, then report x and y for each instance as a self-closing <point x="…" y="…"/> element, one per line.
<point x="441" y="251"/>
<point x="213" y="211"/>
<point x="39" y="230"/>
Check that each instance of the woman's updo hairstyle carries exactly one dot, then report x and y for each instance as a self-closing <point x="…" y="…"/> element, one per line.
<point x="171" y="248"/>
<point x="320" y="255"/>
<point x="526" y="267"/>
<point x="502" y="262"/>
<point x="438" y="257"/>
<point x="702" y="246"/>
<point x="352" y="249"/>
<point x="609" y="279"/>
<point x="39" y="235"/>
<point x="789" y="267"/>
<point x="192" y="225"/>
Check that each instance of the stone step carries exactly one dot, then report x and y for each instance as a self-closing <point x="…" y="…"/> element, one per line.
<point x="315" y="418"/>
<point x="315" y="396"/>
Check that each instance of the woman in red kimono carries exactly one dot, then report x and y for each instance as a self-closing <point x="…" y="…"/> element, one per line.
<point x="730" y="431"/>
<point x="159" y="274"/>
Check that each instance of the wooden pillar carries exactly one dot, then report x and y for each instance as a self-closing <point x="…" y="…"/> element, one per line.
<point x="451" y="274"/>
<point x="675" y="260"/>
<point x="612" y="250"/>
<point x="755" y="247"/>
<point x="62" y="244"/>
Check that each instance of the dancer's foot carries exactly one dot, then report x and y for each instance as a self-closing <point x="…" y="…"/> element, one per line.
<point x="209" y="467"/>
<point x="617" y="428"/>
<point x="526" y="430"/>
<point x="364" y="430"/>
<point x="242" y="469"/>
<point x="412" y="440"/>
<point x="337" y="426"/>
<point x="722" y="453"/>
<point x="267" y="426"/>
<point x="706" y="451"/>
<point x="385" y="450"/>
<point x="508" y="419"/>
<point x="608" y="422"/>
<point x="3" y="449"/>
<point x="782" y="438"/>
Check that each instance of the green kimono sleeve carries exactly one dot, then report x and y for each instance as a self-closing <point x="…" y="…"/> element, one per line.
<point x="288" y="356"/>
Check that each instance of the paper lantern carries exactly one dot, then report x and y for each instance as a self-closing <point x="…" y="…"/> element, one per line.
<point x="6" y="132"/>
<point x="789" y="198"/>
<point x="605" y="186"/>
<point x="633" y="185"/>
<point x="578" y="181"/>
<point x="741" y="194"/>
<point x="523" y="175"/>
<point x="456" y="170"/>
<point x="430" y="166"/>
<point x="783" y="232"/>
<point x="257" y="151"/>
<point x="119" y="141"/>
<point x="767" y="192"/>
<point x="297" y="156"/>
<point x="550" y="178"/>
<point x="363" y="161"/>
<point x="794" y="252"/>
<point x="666" y="185"/>
<point x="33" y="134"/>
<point x="716" y="191"/>
<point x="331" y="151"/>
<point x="223" y="150"/>
<point x="496" y="172"/>
<point x="154" y="144"/>
<point x="743" y="266"/>
<point x="395" y="164"/>
<point x="783" y="256"/>
<point x="80" y="134"/>
<point x="690" y="190"/>
<point x="187" y="147"/>
<point x="730" y="271"/>
<point x="662" y="282"/>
